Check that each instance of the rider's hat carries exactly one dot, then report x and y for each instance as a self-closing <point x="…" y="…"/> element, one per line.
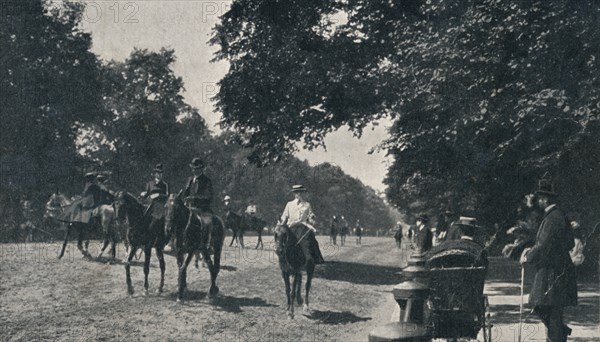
<point x="197" y="163"/>
<point x="158" y="168"/>
<point x="226" y="198"/>
<point x="298" y="188"/>
<point x="101" y="178"/>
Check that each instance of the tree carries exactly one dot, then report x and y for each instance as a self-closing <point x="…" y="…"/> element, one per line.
<point x="486" y="95"/>
<point x="48" y="88"/>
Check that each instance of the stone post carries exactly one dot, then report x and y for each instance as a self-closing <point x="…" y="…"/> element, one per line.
<point x="411" y="295"/>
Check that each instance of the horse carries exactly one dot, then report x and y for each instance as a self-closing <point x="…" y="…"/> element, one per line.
<point x="233" y="222"/>
<point x="112" y="230"/>
<point x="292" y="260"/>
<point x="142" y="232"/>
<point x="191" y="235"/>
<point x="252" y="223"/>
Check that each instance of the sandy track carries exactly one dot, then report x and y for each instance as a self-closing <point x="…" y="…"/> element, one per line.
<point x="43" y="298"/>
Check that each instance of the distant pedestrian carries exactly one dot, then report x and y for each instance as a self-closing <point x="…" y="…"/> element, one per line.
<point x="358" y="232"/>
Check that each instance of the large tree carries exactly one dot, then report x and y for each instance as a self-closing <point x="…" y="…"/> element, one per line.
<point x="486" y="95"/>
<point x="48" y="88"/>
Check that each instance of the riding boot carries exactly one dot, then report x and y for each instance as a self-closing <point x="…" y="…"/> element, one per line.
<point x="315" y="250"/>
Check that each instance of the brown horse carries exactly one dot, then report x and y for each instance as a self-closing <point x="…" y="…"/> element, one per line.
<point x="191" y="235"/>
<point x="290" y="244"/>
<point x="143" y="232"/>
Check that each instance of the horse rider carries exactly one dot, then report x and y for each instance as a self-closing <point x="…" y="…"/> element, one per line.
<point x="198" y="194"/>
<point x="28" y="225"/>
<point x="299" y="212"/>
<point x="335" y="223"/>
<point x="343" y="230"/>
<point x="423" y="235"/>
<point x="358" y="232"/>
<point x="157" y="190"/>
<point x="54" y="207"/>
<point x="250" y="212"/>
<point x="555" y="284"/>
<point x="227" y="204"/>
<point x="93" y="196"/>
<point x="109" y="195"/>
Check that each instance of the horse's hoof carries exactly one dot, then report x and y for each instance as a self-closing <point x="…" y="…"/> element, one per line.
<point x="130" y="291"/>
<point x="213" y="292"/>
<point x="300" y="301"/>
<point x="145" y="293"/>
<point x="307" y="310"/>
<point x="290" y="315"/>
<point x="159" y="291"/>
<point x="179" y="300"/>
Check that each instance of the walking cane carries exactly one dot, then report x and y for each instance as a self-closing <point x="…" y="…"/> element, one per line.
<point x="521" y="309"/>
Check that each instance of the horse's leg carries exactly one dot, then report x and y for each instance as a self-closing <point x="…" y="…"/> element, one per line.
<point x="259" y="242"/>
<point x="232" y="237"/>
<point x="241" y="238"/>
<point x="147" y="255"/>
<point x="104" y="245"/>
<point x="80" y="243"/>
<point x="161" y="260"/>
<point x="290" y="304"/>
<point x="310" y="268"/>
<point x="299" y="289"/>
<point x="62" y="251"/>
<point x="294" y="289"/>
<point x="214" y="267"/>
<point x="130" y="255"/>
<point x="182" y="275"/>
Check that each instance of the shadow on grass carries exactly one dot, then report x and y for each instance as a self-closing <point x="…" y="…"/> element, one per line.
<point x="225" y="303"/>
<point x="586" y="313"/>
<point x="334" y="317"/>
<point x="358" y="273"/>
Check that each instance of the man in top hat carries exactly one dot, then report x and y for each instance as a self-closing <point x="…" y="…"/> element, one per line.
<point x="198" y="191"/>
<point x="467" y="226"/>
<point x="555" y="283"/>
<point x="453" y="231"/>
<point x="423" y="235"/>
<point x="198" y="194"/>
<point x="157" y="190"/>
<point x="299" y="212"/>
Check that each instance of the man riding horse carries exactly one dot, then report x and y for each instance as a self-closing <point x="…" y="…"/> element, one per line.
<point x="198" y="193"/>
<point x="157" y="190"/>
<point x="298" y="213"/>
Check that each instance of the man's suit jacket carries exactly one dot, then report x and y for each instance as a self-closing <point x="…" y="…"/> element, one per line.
<point x="555" y="282"/>
<point x="423" y="239"/>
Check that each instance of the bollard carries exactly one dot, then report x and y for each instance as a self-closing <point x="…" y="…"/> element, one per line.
<point x="411" y="295"/>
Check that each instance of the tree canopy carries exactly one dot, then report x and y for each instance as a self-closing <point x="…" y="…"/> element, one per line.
<point x="486" y="95"/>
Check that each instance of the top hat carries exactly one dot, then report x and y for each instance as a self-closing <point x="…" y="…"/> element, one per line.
<point x="196" y="163"/>
<point x="158" y="168"/>
<point x="467" y="221"/>
<point x="545" y="187"/>
<point x="423" y="218"/>
<point x="298" y="188"/>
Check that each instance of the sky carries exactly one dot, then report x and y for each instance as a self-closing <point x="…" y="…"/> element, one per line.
<point x="185" y="26"/>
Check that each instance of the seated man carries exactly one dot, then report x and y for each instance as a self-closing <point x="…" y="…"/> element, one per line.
<point x="299" y="212"/>
<point x="474" y="253"/>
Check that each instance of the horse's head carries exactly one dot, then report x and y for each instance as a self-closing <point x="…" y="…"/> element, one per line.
<point x="174" y="211"/>
<point x="281" y="235"/>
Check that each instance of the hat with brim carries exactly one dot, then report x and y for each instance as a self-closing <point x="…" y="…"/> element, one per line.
<point x="90" y="176"/>
<point x="158" y="168"/>
<point x="298" y="188"/>
<point x="545" y="188"/>
<point x="101" y="178"/>
<point x="466" y="221"/>
<point x="197" y="163"/>
<point x="227" y="198"/>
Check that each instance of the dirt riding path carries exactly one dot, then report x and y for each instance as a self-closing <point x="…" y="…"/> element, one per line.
<point x="43" y="298"/>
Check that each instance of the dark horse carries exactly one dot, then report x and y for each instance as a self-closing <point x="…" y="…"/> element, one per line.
<point x="289" y="249"/>
<point x="191" y="236"/>
<point x="142" y="232"/>
<point x="239" y="224"/>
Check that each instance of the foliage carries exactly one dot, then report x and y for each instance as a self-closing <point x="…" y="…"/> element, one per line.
<point x="487" y="95"/>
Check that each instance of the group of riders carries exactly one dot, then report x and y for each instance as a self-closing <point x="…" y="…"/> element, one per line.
<point x="339" y="226"/>
<point x="197" y="195"/>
